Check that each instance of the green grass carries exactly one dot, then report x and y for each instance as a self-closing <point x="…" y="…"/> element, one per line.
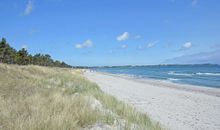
<point x="41" y="98"/>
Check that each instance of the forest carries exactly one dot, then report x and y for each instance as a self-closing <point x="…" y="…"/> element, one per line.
<point x="9" y="55"/>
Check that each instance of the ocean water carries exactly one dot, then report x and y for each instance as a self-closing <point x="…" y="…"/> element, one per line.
<point x="200" y="75"/>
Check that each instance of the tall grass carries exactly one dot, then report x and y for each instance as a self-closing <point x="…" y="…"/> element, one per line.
<point x="41" y="98"/>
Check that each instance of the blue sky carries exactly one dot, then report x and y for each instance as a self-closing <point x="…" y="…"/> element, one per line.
<point x="115" y="32"/>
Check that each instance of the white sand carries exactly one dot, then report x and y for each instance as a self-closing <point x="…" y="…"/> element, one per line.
<point x="175" y="106"/>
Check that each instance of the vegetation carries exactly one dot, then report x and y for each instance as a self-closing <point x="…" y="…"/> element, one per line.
<point x="42" y="98"/>
<point x="11" y="56"/>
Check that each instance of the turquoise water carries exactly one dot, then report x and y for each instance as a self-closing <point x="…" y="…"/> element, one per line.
<point x="201" y="75"/>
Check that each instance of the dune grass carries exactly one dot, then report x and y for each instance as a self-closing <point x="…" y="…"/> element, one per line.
<point x="41" y="98"/>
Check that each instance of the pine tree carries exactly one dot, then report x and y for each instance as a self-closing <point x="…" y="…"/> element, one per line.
<point x="22" y="57"/>
<point x="7" y="53"/>
<point x="10" y="56"/>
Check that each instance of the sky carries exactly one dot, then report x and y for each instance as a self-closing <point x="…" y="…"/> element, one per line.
<point x="115" y="32"/>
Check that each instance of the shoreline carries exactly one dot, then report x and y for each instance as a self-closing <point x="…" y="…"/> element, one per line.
<point x="181" y="86"/>
<point x="175" y="106"/>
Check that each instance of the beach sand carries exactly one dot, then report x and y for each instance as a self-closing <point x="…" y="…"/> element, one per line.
<point x="174" y="106"/>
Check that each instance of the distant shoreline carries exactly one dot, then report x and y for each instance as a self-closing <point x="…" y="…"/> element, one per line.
<point x="157" y="83"/>
<point x="116" y="66"/>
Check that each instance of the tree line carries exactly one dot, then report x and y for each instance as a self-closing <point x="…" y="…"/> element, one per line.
<point x="10" y="55"/>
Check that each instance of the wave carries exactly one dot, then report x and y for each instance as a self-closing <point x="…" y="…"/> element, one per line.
<point x="173" y="79"/>
<point x="180" y="74"/>
<point x="210" y="74"/>
<point x="192" y="74"/>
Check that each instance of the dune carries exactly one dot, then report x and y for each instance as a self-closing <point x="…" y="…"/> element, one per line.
<point x="175" y="106"/>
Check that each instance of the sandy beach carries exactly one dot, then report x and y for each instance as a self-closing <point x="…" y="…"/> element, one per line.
<point x="174" y="106"/>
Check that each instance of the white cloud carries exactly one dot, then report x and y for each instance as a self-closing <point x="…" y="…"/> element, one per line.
<point x="78" y="45"/>
<point x="123" y="36"/>
<point x="88" y="43"/>
<point x="137" y="37"/>
<point x="124" y="46"/>
<point x="29" y="8"/>
<point x="194" y="2"/>
<point x="148" y="45"/>
<point x="151" y="44"/>
<point x="187" y="45"/>
<point x="140" y="47"/>
<point x="24" y="46"/>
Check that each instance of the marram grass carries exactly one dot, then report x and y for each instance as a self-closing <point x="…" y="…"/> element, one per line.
<point x="43" y="98"/>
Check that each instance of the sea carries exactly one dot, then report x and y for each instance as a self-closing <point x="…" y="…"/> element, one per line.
<point x="207" y="75"/>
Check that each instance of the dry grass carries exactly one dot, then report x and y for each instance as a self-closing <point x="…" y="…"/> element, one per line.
<point x="41" y="98"/>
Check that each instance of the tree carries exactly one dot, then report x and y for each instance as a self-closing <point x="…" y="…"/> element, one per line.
<point x="7" y="53"/>
<point x="2" y="49"/>
<point x="30" y="58"/>
<point x="36" y="59"/>
<point x="22" y="57"/>
<point x="49" y="61"/>
<point x="10" y="56"/>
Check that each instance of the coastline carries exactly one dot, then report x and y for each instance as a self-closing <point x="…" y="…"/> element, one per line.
<point x="165" y="83"/>
<point x="176" y="106"/>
